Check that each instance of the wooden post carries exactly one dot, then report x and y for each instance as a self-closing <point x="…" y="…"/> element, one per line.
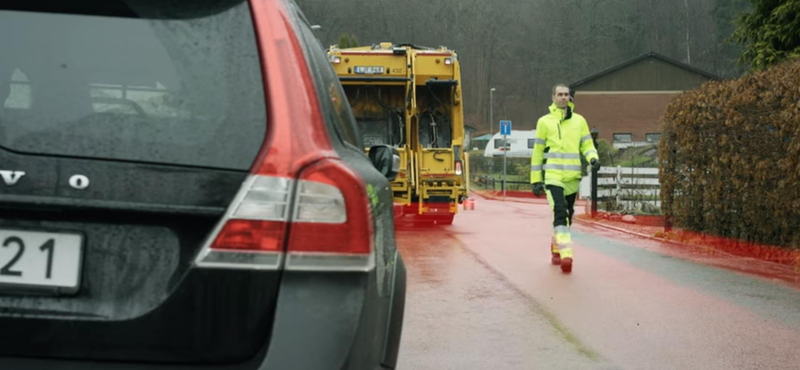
<point x="619" y="181"/>
<point x="594" y="177"/>
<point x="594" y="192"/>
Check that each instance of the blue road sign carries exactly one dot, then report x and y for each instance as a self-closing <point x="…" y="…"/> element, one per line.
<point x="505" y="127"/>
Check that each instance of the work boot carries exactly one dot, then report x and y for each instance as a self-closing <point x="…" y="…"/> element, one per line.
<point x="566" y="265"/>
<point x="556" y="259"/>
<point x="566" y="259"/>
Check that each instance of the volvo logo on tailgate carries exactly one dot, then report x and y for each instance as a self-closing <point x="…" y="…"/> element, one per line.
<point x="11" y="178"/>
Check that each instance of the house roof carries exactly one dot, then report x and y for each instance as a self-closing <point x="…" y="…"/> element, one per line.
<point x="651" y="54"/>
<point x="486" y="137"/>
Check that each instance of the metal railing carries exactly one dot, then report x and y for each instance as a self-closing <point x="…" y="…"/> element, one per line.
<point x="624" y="188"/>
<point x="496" y="184"/>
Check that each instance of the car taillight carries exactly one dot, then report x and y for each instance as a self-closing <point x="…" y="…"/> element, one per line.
<point x="253" y="230"/>
<point x="250" y="235"/>
<point x="458" y="168"/>
<point x="332" y="226"/>
<point x="328" y="214"/>
<point x="258" y="218"/>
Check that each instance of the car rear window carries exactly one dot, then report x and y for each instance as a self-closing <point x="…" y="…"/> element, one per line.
<point x="160" y="82"/>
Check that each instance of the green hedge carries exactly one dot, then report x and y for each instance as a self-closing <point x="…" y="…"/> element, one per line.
<point x="730" y="158"/>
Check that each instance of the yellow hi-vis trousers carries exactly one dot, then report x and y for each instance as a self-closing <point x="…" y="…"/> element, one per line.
<point x="563" y="206"/>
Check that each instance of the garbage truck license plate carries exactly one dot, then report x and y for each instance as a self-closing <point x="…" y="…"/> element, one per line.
<point x="368" y="70"/>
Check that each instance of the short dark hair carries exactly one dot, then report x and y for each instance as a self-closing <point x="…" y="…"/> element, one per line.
<point x="559" y="85"/>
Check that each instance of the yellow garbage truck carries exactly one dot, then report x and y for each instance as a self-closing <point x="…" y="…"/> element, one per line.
<point x="410" y="97"/>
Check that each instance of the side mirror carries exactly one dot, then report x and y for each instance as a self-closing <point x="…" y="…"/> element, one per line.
<point x="386" y="159"/>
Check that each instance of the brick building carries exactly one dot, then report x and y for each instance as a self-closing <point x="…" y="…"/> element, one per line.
<point x="625" y="103"/>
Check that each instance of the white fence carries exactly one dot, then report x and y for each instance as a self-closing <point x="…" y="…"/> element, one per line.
<point x="629" y="187"/>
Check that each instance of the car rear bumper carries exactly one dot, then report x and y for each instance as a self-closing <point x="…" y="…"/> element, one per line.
<point x="330" y="321"/>
<point x="322" y="321"/>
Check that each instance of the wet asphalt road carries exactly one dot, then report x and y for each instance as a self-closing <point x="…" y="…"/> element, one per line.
<point x="482" y="295"/>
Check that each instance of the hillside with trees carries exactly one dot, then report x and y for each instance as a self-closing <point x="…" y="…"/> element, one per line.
<point x="523" y="47"/>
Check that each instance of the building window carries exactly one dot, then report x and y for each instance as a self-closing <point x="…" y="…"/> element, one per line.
<point x="623" y="138"/>
<point x="531" y="143"/>
<point x="653" y="138"/>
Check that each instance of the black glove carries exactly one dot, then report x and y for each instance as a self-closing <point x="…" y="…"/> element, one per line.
<point x="538" y="189"/>
<point x="595" y="163"/>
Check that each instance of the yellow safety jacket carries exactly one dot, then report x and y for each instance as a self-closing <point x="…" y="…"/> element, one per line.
<point x="561" y="139"/>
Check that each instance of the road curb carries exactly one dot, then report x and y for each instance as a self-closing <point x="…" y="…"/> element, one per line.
<point x="672" y="242"/>
<point x="634" y="233"/>
<point x="484" y="195"/>
<point x="772" y="264"/>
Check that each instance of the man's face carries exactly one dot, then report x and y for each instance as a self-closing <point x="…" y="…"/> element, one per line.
<point x="561" y="97"/>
